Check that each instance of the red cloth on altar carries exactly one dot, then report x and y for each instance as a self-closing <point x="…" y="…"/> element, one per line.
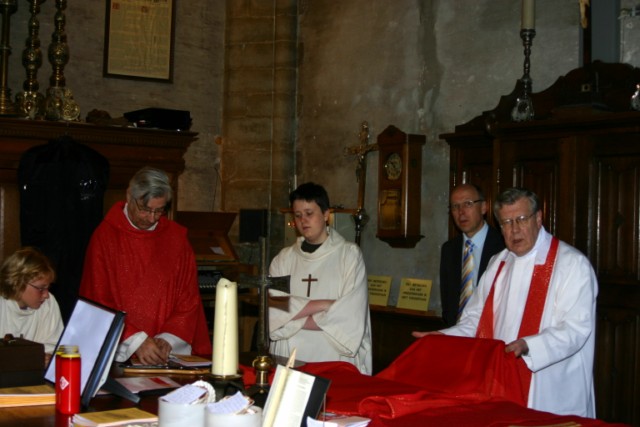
<point x="438" y="381"/>
<point x="151" y="275"/>
<point x="459" y="365"/>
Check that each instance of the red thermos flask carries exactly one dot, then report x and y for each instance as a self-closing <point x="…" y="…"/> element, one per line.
<point x="68" y="379"/>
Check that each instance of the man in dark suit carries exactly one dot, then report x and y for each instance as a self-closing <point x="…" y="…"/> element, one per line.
<point x="468" y="208"/>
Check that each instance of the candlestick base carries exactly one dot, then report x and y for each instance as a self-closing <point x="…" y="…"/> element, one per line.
<point x="259" y="391"/>
<point x="225" y="385"/>
<point x="523" y="108"/>
<point x="231" y="377"/>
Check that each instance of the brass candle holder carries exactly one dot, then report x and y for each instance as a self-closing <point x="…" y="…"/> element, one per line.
<point x="59" y="102"/>
<point x="30" y="102"/>
<point x="523" y="110"/>
<point x="7" y="107"/>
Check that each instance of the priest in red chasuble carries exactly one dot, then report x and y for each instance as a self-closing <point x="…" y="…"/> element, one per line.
<point x="539" y="297"/>
<point x="140" y="262"/>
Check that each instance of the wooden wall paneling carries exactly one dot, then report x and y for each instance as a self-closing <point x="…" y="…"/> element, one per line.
<point x="127" y="150"/>
<point x="9" y="220"/>
<point x="533" y="165"/>
<point x="472" y="162"/>
<point x="617" y="220"/>
<point x="617" y="370"/>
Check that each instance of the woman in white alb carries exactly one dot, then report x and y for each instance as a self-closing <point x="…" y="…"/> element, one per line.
<point x="326" y="315"/>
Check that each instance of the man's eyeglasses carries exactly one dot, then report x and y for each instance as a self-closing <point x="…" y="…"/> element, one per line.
<point x="464" y="205"/>
<point x="155" y="212"/>
<point x="41" y="290"/>
<point x="521" y="220"/>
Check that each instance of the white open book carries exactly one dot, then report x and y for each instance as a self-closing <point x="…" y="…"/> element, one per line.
<point x="293" y="396"/>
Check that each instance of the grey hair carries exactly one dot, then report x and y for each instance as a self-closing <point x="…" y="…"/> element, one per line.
<point x="512" y="195"/>
<point x="150" y="183"/>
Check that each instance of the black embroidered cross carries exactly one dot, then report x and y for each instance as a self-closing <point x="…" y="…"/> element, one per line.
<point x="309" y="280"/>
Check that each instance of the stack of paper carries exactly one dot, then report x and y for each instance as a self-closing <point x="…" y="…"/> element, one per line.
<point x="334" y="420"/>
<point x="115" y="418"/>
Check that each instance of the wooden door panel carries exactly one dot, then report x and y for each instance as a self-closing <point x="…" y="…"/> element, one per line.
<point x="541" y="177"/>
<point x="473" y="164"/>
<point x="616" y="370"/>
<point x="617" y="219"/>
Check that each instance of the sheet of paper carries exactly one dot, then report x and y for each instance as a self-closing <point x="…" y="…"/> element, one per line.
<point x="230" y="405"/>
<point x="187" y="394"/>
<point x="217" y="250"/>
<point x="138" y="384"/>
<point x="335" y="420"/>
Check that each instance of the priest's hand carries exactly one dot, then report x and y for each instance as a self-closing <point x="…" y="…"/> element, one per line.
<point x="153" y="351"/>
<point x="164" y="346"/>
<point x="519" y="347"/>
<point x="418" y="334"/>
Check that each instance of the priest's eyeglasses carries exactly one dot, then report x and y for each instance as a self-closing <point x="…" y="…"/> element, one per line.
<point x="464" y="205"/>
<point x="42" y="290"/>
<point x="521" y="220"/>
<point x="148" y="211"/>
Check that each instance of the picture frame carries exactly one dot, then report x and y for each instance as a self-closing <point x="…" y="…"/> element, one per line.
<point x="139" y="39"/>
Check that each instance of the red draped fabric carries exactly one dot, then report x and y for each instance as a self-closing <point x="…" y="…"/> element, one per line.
<point x="438" y="381"/>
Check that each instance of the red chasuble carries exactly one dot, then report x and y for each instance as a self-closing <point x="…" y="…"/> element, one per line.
<point x="151" y="275"/>
<point x="532" y="315"/>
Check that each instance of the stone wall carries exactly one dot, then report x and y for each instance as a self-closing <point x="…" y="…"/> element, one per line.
<point x="425" y="67"/>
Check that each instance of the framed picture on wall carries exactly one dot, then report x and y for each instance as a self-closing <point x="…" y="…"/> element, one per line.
<point x="139" y="39"/>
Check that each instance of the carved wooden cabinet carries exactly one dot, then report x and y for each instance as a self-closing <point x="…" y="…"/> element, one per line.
<point x="127" y="150"/>
<point x="581" y="155"/>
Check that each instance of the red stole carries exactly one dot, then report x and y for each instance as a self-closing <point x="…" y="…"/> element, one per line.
<point x="533" y="309"/>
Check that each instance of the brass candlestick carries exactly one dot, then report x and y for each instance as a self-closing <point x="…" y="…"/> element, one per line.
<point x="264" y="363"/>
<point x="7" y="108"/>
<point x="59" y="102"/>
<point x="30" y="102"/>
<point x="523" y="110"/>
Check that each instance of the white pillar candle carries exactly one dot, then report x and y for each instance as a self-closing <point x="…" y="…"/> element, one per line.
<point x="528" y="18"/>
<point x="225" y="329"/>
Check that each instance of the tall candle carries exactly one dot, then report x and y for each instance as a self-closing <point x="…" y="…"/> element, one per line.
<point x="528" y="21"/>
<point x="225" y="329"/>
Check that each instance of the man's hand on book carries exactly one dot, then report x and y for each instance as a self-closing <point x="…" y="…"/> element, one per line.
<point x="153" y="351"/>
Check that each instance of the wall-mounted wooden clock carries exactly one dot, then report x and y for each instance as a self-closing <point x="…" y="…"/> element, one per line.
<point x="399" y="182"/>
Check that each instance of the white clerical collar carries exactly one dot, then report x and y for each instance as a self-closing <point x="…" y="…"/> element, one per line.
<point x="126" y="214"/>
<point x="539" y="250"/>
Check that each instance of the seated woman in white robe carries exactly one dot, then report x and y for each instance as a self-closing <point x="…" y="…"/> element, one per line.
<point x="27" y="309"/>
<point x="326" y="315"/>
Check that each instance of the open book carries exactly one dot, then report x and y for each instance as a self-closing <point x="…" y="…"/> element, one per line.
<point x="294" y="396"/>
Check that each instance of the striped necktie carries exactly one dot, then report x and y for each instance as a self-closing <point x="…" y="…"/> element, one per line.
<point x="466" y="288"/>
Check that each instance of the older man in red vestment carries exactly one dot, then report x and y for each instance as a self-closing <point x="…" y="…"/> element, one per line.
<point x="140" y="262"/>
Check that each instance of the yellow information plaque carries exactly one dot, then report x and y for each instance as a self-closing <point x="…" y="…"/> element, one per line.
<point x="414" y="294"/>
<point x="379" y="287"/>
